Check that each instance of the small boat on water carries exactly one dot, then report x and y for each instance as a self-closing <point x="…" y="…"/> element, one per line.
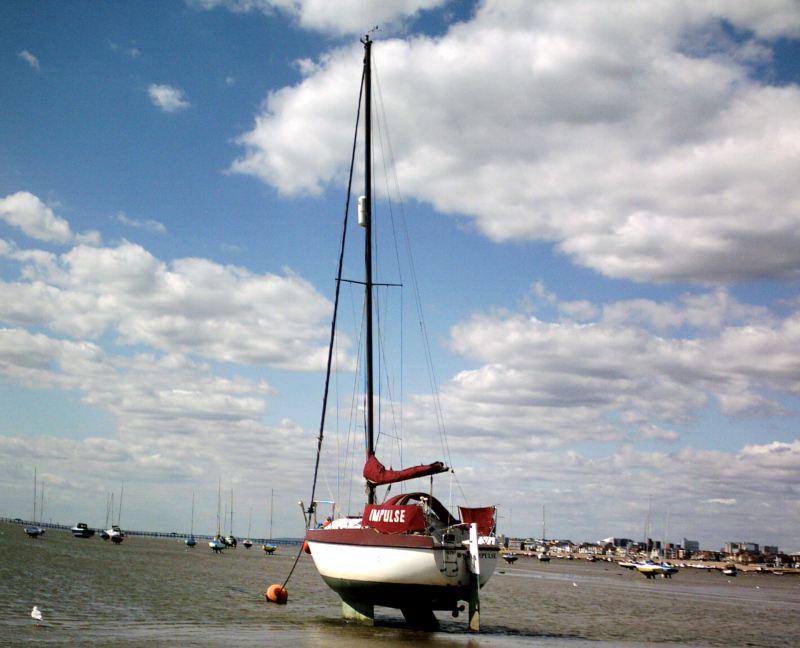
<point x="268" y="549"/>
<point x="82" y="530"/>
<point x="510" y="558"/>
<point x="730" y="570"/>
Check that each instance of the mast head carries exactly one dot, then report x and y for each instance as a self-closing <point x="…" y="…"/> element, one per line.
<point x="366" y="38"/>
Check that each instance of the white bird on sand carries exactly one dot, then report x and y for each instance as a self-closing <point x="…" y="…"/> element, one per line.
<point x="36" y="613"/>
<point x="574" y="584"/>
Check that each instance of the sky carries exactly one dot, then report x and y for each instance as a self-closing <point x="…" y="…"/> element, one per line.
<point x="603" y="206"/>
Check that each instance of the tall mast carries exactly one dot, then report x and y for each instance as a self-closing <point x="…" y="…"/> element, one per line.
<point x="368" y="252"/>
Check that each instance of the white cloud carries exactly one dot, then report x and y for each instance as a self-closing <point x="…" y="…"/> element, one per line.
<point x="167" y="98"/>
<point x="341" y="17"/>
<point x="30" y="59"/>
<point x="558" y="383"/>
<point x="131" y="52"/>
<point x="609" y="132"/>
<point x="189" y="306"/>
<point x="29" y="214"/>
<point x="148" y="225"/>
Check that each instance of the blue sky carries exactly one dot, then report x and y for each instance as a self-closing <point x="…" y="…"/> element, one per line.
<point x="603" y="207"/>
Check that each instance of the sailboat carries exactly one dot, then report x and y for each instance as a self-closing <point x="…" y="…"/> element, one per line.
<point x="647" y="567"/>
<point x="115" y="533"/>
<point x="248" y="542"/>
<point x="268" y="547"/>
<point x="230" y="539"/>
<point x="36" y="530"/>
<point x="217" y="543"/>
<point x="191" y="541"/>
<point x="109" y="512"/>
<point x="408" y="552"/>
<point x="543" y="556"/>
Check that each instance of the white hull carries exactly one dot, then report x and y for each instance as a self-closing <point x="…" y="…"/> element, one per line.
<point x="437" y="567"/>
<point x="432" y="577"/>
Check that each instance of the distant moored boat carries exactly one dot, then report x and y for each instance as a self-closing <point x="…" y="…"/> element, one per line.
<point x="82" y="530"/>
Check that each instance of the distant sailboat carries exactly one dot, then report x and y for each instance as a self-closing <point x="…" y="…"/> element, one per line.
<point x="109" y="512"/>
<point x="190" y="541"/>
<point x="268" y="547"/>
<point x="230" y="539"/>
<point x="115" y="533"/>
<point x="217" y="544"/>
<point x="36" y="530"/>
<point x="543" y="556"/>
<point x="647" y="567"/>
<point x="248" y="542"/>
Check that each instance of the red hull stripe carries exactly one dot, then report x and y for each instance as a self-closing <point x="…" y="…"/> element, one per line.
<point x="368" y="537"/>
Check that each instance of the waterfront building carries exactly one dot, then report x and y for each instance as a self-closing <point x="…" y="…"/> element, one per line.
<point x="740" y="547"/>
<point x="691" y="546"/>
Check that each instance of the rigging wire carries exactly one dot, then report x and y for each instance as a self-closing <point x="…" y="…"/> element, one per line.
<point x="434" y="385"/>
<point x="311" y="505"/>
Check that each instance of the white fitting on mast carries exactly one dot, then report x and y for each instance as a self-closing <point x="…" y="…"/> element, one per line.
<point x="362" y="211"/>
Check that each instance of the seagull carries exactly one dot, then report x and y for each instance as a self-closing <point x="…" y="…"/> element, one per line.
<point x="574" y="584"/>
<point x="36" y="613"/>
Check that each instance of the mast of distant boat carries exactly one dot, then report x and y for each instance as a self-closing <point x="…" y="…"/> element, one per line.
<point x="34" y="496"/>
<point x="119" y="512"/>
<point x="544" y="535"/>
<point x="219" y="505"/>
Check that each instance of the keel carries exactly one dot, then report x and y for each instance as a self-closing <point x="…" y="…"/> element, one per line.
<point x="358" y="612"/>
<point x="420" y="618"/>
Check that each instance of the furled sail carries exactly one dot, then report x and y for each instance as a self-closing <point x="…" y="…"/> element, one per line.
<point x="376" y="473"/>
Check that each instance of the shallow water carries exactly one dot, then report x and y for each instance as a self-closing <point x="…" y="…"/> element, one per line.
<point x="156" y="592"/>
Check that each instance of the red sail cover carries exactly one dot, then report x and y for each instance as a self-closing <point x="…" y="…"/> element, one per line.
<point x="483" y="517"/>
<point x="393" y="519"/>
<point x="376" y="473"/>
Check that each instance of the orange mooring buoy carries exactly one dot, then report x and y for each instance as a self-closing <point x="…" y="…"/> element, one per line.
<point x="306" y="548"/>
<point x="277" y="594"/>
